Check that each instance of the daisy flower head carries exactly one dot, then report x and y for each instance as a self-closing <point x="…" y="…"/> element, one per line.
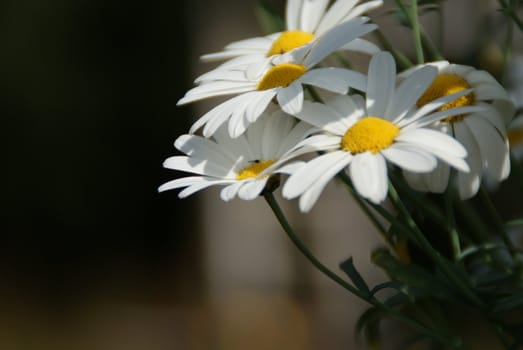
<point x="305" y="20"/>
<point x="244" y="165"/>
<point x="281" y="76"/>
<point x="363" y="134"/>
<point x="482" y="132"/>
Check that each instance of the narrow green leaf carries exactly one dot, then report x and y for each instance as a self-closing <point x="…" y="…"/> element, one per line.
<point x="348" y="267"/>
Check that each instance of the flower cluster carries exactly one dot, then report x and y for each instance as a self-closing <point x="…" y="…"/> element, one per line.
<point x="439" y="123"/>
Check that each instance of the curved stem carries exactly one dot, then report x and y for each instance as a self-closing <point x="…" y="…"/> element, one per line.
<point x="269" y="197"/>
<point x="436" y="256"/>
<point x="368" y="297"/>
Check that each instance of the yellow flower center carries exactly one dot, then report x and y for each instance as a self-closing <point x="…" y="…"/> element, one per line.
<point x="281" y="75"/>
<point x="288" y="41"/>
<point x="254" y="169"/>
<point x="444" y="85"/>
<point x="369" y="134"/>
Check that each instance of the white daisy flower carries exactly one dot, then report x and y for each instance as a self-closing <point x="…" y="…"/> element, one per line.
<point x="282" y="76"/>
<point x="305" y="21"/>
<point x="483" y="133"/>
<point x="243" y="165"/>
<point x="362" y="135"/>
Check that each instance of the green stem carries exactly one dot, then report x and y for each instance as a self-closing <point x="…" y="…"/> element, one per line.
<point x="512" y="13"/>
<point x="415" y="233"/>
<point x="413" y="18"/>
<point x="302" y="247"/>
<point x="416" y="32"/>
<point x="365" y="208"/>
<point x="453" y="232"/>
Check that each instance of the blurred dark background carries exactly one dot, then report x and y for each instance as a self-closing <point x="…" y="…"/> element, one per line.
<point x="87" y="95"/>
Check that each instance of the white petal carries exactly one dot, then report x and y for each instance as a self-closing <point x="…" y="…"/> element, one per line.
<point x="350" y="107"/>
<point x="439" y="144"/>
<point x="216" y="88"/>
<point x="197" y="166"/>
<point x="229" y="192"/>
<point x="259" y="104"/>
<point x="311" y="195"/>
<point x="488" y="92"/>
<point x="410" y="123"/>
<point x="259" y="43"/>
<point x="200" y="147"/>
<point x="290" y="168"/>
<point x="189" y="190"/>
<point x="290" y="98"/>
<point x="311" y="12"/>
<point x="194" y="183"/>
<point x="292" y="14"/>
<point x="468" y="183"/>
<point x="336" y="38"/>
<point x="493" y="147"/>
<point x="434" y="105"/>
<point x="433" y="139"/>
<point x="252" y="189"/>
<point x="380" y="84"/>
<point x="362" y="46"/>
<point x="274" y="132"/>
<point x="323" y="117"/>
<point x="301" y="180"/>
<point x="238" y="121"/>
<point x="409" y="91"/>
<point x="238" y="146"/>
<point x="368" y="173"/>
<point x="335" y="79"/>
<point x="410" y="158"/>
<point x="337" y="11"/>
<point x="492" y="115"/>
<point x="296" y="135"/>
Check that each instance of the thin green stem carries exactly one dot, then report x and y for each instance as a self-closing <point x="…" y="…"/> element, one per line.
<point x="413" y="18"/>
<point x="415" y="233"/>
<point x="431" y="47"/>
<point x="416" y="32"/>
<point x="302" y="247"/>
<point x="453" y="232"/>
<point x="370" y="214"/>
<point x="512" y="13"/>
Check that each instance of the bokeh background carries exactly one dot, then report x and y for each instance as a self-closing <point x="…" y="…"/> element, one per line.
<point x="91" y="256"/>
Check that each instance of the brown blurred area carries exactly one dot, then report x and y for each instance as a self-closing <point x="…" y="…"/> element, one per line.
<point x="91" y="257"/>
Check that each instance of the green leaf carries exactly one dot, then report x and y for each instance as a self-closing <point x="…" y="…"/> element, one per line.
<point x="389" y="284"/>
<point x="417" y="282"/>
<point x="348" y="267"/>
